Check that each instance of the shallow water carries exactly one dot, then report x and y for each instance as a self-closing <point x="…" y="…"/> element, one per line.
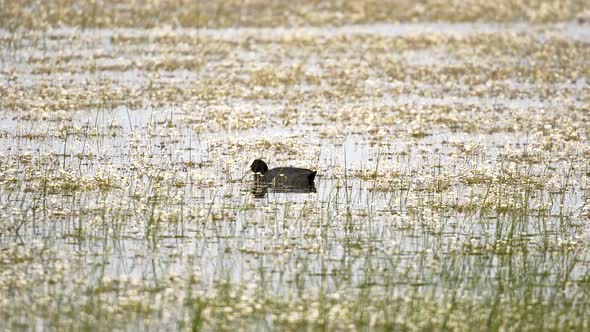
<point x="124" y="154"/>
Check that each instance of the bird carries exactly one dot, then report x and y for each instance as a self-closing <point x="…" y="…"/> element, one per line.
<point x="287" y="177"/>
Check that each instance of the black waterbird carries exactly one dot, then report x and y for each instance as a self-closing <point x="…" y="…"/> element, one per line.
<point x="284" y="177"/>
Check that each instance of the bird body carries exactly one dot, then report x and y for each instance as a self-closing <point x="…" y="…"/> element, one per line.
<point x="284" y="176"/>
<point x="290" y="176"/>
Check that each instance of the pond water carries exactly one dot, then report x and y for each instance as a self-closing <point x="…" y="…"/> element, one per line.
<point x="452" y="159"/>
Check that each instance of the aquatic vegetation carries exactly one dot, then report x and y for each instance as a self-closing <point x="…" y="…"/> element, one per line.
<point x="453" y="165"/>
